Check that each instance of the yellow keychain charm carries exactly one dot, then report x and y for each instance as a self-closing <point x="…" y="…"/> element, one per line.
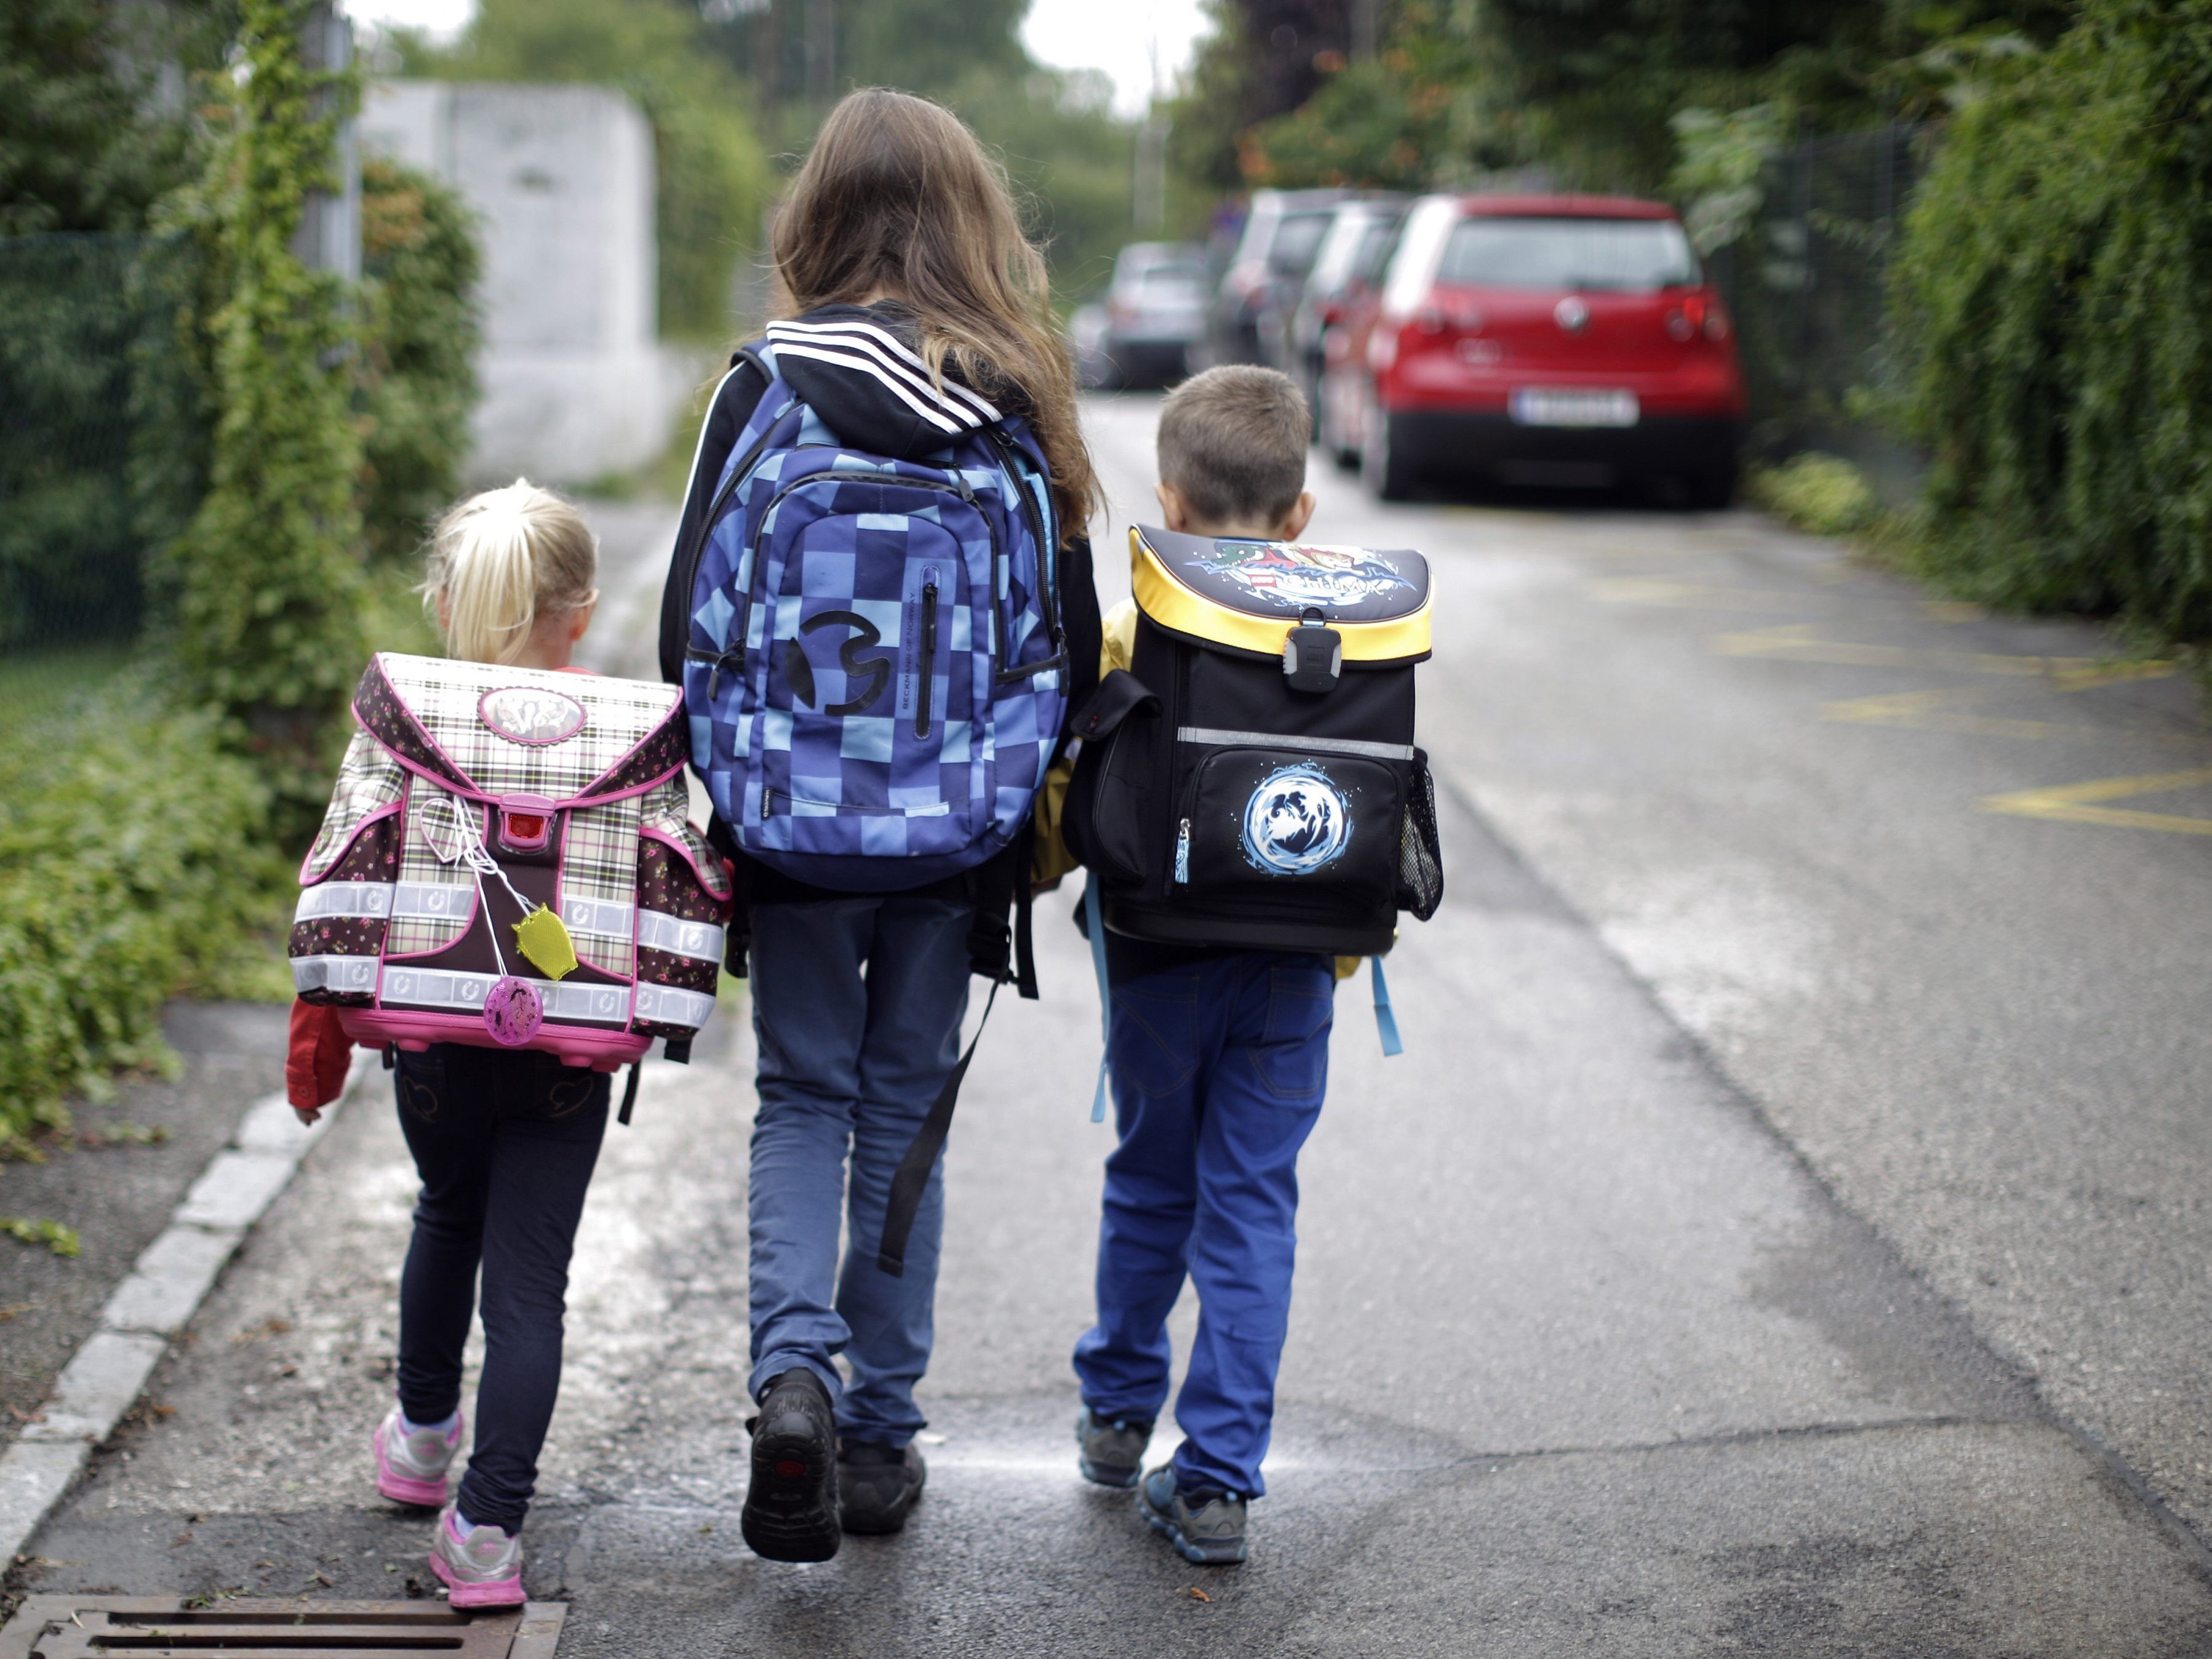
<point x="543" y="939"/>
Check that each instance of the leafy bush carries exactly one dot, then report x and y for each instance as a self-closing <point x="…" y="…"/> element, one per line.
<point x="419" y="335"/>
<point x="130" y="868"/>
<point x="1823" y="494"/>
<point x="2051" y="299"/>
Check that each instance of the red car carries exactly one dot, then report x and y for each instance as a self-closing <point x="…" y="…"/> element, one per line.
<point x="1570" y="340"/>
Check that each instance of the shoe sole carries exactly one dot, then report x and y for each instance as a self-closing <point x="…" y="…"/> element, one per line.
<point x="506" y="1593"/>
<point x="884" y="1523"/>
<point x="778" y="1522"/>
<point x="1204" y="1555"/>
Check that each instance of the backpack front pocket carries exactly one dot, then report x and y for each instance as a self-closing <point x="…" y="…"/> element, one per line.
<point x="1275" y="818"/>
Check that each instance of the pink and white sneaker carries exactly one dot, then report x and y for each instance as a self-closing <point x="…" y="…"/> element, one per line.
<point x="412" y="1464"/>
<point x="482" y="1568"/>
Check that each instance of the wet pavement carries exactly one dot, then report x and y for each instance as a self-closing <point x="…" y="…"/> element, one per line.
<point x="1641" y="1303"/>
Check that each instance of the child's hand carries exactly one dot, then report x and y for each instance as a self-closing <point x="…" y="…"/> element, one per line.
<point x="308" y="1116"/>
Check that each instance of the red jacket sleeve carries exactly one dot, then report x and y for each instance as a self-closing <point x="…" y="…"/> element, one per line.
<point x="316" y="1057"/>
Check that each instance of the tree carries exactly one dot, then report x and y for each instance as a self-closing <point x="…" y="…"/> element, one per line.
<point x="267" y="577"/>
<point x="87" y="140"/>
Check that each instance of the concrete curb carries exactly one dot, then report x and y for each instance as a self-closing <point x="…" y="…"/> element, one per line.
<point x="160" y="1294"/>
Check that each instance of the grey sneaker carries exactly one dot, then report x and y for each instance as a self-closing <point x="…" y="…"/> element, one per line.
<point x="482" y="1569"/>
<point x="1110" y="1450"/>
<point x="410" y="1468"/>
<point x="1205" y="1524"/>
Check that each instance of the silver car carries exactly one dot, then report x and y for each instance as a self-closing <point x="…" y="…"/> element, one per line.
<point x="1154" y="312"/>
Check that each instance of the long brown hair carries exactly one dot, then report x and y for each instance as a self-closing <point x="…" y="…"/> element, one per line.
<point x="897" y="198"/>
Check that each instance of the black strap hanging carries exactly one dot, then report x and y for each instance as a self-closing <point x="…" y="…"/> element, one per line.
<point x="921" y="1157"/>
<point x="630" y="1098"/>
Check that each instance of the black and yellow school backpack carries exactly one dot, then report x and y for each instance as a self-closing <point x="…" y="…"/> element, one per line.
<point x="1252" y="780"/>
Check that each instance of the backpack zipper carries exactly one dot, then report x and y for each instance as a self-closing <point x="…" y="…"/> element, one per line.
<point x="928" y="667"/>
<point x="733" y="657"/>
<point x="960" y="488"/>
<point x="1047" y="553"/>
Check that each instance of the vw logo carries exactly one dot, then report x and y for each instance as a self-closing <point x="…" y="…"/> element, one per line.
<point x="1571" y="315"/>
<point x="1296" y="822"/>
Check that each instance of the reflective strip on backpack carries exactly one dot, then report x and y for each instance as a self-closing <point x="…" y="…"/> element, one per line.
<point x="435" y="987"/>
<point x="1218" y="738"/>
<point x="671" y="1006"/>
<point x="348" y="974"/>
<point x="608" y="918"/>
<point x="371" y="899"/>
<point x="448" y="900"/>
<point x="658" y="931"/>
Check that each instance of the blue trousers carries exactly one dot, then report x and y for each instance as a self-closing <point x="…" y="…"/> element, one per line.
<point x="505" y="1142"/>
<point x="857" y="1004"/>
<point x="1218" y="1070"/>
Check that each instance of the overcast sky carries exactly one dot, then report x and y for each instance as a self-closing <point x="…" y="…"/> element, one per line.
<point x="1066" y="33"/>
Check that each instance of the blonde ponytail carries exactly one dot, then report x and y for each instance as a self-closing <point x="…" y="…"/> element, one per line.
<point x="501" y="560"/>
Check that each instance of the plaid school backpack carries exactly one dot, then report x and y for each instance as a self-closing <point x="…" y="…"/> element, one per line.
<point x="874" y="666"/>
<point x="507" y="862"/>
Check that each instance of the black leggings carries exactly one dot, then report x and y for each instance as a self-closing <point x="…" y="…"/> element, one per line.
<point x="505" y="1142"/>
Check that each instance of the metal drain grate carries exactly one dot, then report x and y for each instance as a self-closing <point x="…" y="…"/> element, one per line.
<point x="164" y="1627"/>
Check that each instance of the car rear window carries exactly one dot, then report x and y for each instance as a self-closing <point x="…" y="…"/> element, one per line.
<point x="1297" y="241"/>
<point x="1633" y="256"/>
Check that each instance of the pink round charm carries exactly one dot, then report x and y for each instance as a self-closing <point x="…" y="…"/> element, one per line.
<point x="513" y="1013"/>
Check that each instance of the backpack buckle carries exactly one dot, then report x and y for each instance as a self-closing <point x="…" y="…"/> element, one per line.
<point x="1313" y="654"/>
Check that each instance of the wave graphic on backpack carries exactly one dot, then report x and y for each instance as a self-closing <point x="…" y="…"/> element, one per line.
<point x="875" y="671"/>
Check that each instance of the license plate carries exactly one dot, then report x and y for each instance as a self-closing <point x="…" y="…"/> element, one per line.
<point x="1562" y="406"/>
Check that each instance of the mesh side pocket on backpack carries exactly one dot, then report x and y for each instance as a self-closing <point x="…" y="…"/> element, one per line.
<point x="1420" y="860"/>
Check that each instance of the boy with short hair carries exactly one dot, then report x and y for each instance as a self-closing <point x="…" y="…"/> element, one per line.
<point x="1218" y="1057"/>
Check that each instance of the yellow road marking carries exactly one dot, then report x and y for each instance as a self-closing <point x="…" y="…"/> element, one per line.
<point x="1931" y="711"/>
<point x="2078" y="803"/>
<point x="1689" y="596"/>
<point x="1793" y="642"/>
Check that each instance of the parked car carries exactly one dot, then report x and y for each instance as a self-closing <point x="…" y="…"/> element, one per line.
<point x="1571" y="340"/>
<point x="1345" y="267"/>
<point x="1281" y="235"/>
<point x="1153" y="314"/>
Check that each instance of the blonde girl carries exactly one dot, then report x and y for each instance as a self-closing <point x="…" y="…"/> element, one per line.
<point x="504" y="1139"/>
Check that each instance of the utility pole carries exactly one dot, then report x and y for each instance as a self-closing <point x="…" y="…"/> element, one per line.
<point x="1148" y="192"/>
<point x="821" y="50"/>
<point x="329" y="236"/>
<point x="1366" y="29"/>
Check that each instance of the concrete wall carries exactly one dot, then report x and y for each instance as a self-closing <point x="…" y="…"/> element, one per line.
<point x="576" y="382"/>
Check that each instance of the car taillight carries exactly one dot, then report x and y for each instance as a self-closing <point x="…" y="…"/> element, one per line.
<point x="1716" y="324"/>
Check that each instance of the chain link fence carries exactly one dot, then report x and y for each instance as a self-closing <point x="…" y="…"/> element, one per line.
<point x="1807" y="283"/>
<point x="102" y="439"/>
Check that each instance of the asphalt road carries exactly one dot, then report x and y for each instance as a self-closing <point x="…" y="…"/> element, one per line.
<point x="1781" y="1235"/>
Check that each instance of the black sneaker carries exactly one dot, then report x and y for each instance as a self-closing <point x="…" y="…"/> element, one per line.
<point x="1205" y="1524"/>
<point x="1110" y="1450"/>
<point x="878" y="1487"/>
<point x="791" y="1508"/>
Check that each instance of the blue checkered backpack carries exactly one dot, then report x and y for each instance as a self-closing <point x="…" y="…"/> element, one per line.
<point x="875" y="672"/>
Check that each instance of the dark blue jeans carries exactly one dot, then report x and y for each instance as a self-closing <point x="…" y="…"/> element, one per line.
<point x="857" y="1004"/>
<point x="505" y="1142"/>
<point x="1218" y="1070"/>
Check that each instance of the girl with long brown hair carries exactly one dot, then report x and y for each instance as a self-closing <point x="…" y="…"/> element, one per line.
<point x="913" y="315"/>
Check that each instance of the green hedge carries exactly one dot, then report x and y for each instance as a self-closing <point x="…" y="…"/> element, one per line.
<point x="2052" y="307"/>
<point x="130" y="864"/>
